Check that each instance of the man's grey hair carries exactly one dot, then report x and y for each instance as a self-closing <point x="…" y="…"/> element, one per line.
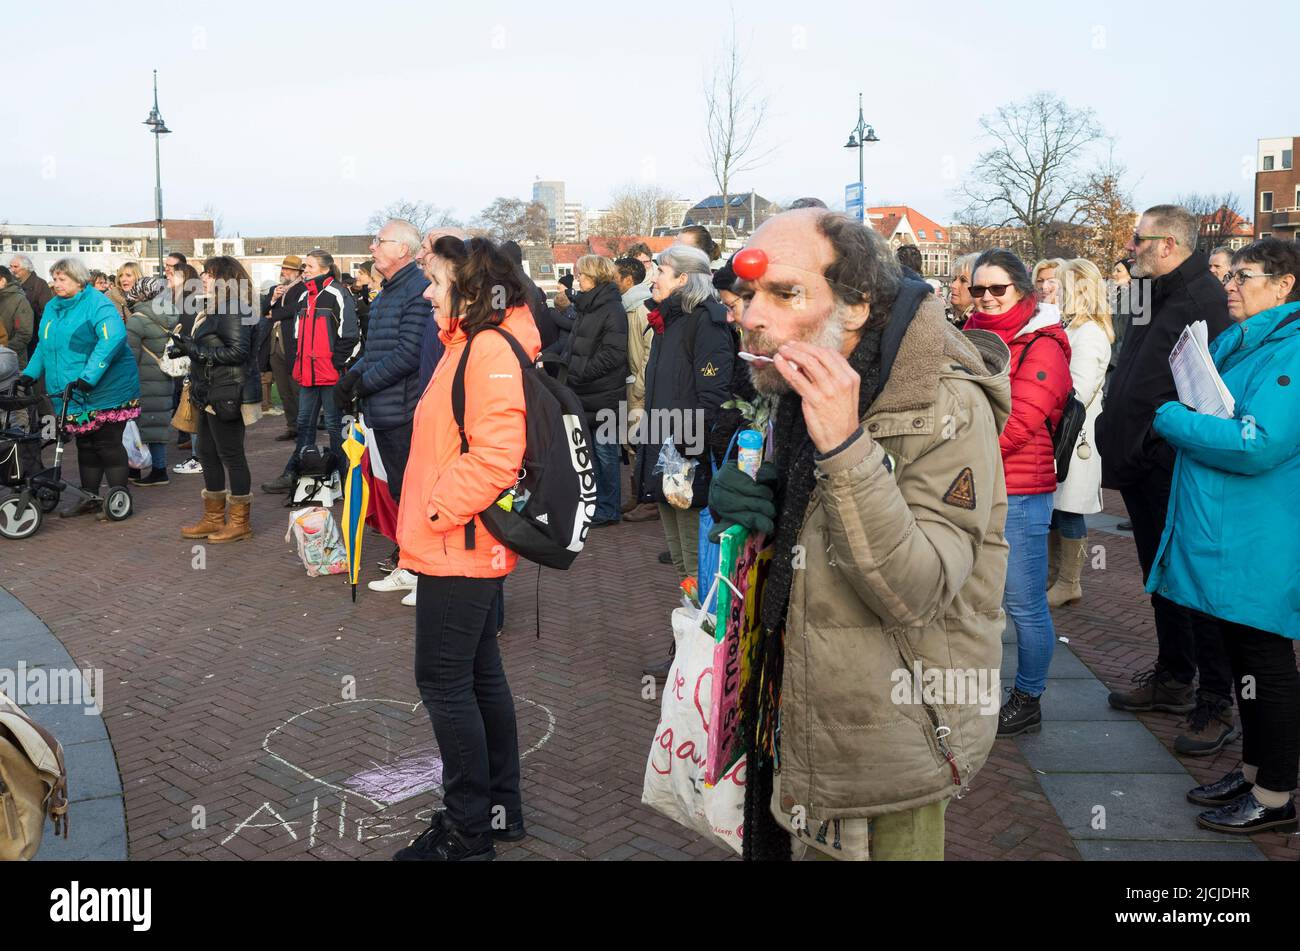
<point x="694" y="263"/>
<point x="24" y="260"/>
<point x="1176" y="221"/>
<point x="407" y="234"/>
<point x="1222" y="249"/>
<point x="74" y="268"/>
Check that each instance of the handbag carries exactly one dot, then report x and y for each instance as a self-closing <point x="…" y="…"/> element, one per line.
<point x="33" y="783"/>
<point x="1066" y="434"/>
<point x="172" y="366"/>
<point x="186" y="417"/>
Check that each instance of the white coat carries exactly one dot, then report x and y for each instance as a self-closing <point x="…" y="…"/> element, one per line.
<point x="1089" y="355"/>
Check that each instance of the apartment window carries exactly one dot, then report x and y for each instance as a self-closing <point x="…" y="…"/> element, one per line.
<point x="1286" y="158"/>
<point x="58" y="244"/>
<point x="1265" y="234"/>
<point x="89" y="246"/>
<point x="921" y="234"/>
<point x="1265" y="201"/>
<point x="26" y="244"/>
<point x="1268" y="163"/>
<point x="121" y="246"/>
<point x="938" y="236"/>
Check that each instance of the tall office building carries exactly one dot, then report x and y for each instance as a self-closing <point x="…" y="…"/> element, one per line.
<point x="551" y="196"/>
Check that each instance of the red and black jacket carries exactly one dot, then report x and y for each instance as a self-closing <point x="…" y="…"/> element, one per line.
<point x="325" y="332"/>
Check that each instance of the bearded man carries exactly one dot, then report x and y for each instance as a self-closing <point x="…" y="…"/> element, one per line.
<point x="885" y="503"/>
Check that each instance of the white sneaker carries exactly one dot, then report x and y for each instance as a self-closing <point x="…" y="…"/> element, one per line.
<point x="188" y="466"/>
<point x="273" y="411"/>
<point x="409" y="600"/>
<point x="399" y="580"/>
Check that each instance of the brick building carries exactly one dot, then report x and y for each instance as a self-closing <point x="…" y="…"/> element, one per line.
<point x="900" y="224"/>
<point x="1277" y="190"/>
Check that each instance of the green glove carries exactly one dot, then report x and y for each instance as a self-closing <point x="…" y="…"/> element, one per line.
<point x="736" y="499"/>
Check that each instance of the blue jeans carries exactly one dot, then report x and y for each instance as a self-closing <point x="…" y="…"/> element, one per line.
<point x="158" y="454"/>
<point x="1071" y="525"/>
<point x="1025" y="597"/>
<point x="609" y="497"/>
<point x="310" y="401"/>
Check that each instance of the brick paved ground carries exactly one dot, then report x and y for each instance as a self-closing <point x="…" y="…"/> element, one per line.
<point x="227" y="689"/>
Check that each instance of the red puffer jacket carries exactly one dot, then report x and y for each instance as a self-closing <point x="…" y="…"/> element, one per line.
<point x="1040" y="383"/>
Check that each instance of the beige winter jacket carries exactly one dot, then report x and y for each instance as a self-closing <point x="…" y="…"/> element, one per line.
<point x="905" y="562"/>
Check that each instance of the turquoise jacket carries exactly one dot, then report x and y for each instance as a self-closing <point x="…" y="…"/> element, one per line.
<point x="83" y="337"/>
<point x="1231" y="545"/>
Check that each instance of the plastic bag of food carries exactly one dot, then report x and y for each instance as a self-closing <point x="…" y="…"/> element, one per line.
<point x="678" y="475"/>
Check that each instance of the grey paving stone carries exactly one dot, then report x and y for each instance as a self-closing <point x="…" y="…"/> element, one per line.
<point x="97" y="832"/>
<point x="1079" y="699"/>
<point x="1138" y="807"/>
<point x="92" y="770"/>
<point x="24" y="638"/>
<point x="1094" y="746"/>
<point x="68" y="722"/>
<point x="1107" y="523"/>
<point x="1111" y="850"/>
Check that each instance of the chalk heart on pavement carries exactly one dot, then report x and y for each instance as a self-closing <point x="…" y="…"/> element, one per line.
<point x="380" y="751"/>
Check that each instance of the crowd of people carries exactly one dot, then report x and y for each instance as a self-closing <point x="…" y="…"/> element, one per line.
<point x="910" y="489"/>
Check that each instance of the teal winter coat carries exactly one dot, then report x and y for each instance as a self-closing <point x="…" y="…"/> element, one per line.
<point x="1231" y="544"/>
<point x="83" y="337"/>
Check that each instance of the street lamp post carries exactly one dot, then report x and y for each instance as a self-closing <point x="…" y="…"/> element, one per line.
<point x="858" y="139"/>
<point x="159" y="129"/>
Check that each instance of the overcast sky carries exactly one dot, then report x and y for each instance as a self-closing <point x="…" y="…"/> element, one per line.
<point x="305" y="118"/>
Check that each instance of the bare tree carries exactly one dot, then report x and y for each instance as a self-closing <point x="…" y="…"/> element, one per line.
<point x="1220" y="216"/>
<point x="634" y="211"/>
<point x="1032" y="176"/>
<point x="212" y="213"/>
<point x="424" y="215"/>
<point x="736" y="110"/>
<point x="1108" y="215"/>
<point x="512" y="219"/>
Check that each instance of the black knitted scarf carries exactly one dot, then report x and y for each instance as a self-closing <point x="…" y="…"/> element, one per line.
<point x="765" y="839"/>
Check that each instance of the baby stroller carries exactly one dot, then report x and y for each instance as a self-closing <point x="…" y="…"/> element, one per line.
<point x="36" y="491"/>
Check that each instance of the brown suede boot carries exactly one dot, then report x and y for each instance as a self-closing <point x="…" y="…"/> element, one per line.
<point x="1067" y="590"/>
<point x="214" y="517"/>
<point x="238" y="526"/>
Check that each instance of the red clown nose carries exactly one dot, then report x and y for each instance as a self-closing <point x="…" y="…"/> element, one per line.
<point x="749" y="264"/>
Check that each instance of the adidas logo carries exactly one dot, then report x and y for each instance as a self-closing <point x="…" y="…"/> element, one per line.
<point x="543" y="519"/>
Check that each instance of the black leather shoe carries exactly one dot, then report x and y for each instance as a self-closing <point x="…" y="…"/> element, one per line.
<point x="1020" y="714"/>
<point x="1245" y="816"/>
<point x="287" y="437"/>
<point x="440" y="843"/>
<point x="87" y="507"/>
<point x="1222" y="792"/>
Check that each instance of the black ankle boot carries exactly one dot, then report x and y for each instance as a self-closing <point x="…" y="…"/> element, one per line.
<point x="1020" y="714"/>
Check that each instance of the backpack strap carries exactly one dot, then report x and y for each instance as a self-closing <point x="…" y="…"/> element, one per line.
<point x="1047" y="422"/>
<point x="458" y="398"/>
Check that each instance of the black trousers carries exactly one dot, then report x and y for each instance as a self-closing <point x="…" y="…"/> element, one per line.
<point x="221" y="449"/>
<point x="101" y="454"/>
<point x="1270" y="720"/>
<point x="1188" y="640"/>
<point x="395" y="448"/>
<point x="463" y="685"/>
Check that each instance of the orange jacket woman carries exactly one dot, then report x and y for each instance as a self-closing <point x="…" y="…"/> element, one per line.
<point x="457" y="662"/>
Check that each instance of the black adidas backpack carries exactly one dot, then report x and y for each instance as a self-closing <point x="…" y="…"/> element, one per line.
<point x="544" y="515"/>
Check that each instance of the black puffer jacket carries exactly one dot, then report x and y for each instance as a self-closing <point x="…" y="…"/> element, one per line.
<point x="147" y="329"/>
<point x="690" y="371"/>
<point x="597" y="350"/>
<point x="219" y="358"/>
